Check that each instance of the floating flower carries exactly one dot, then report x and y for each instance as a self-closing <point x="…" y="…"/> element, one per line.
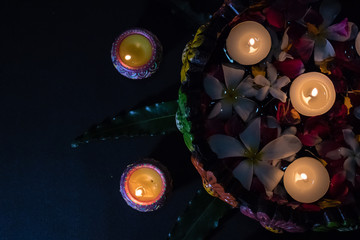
<point x="231" y="95"/>
<point x="271" y="85"/>
<point x="352" y="156"/>
<point x="256" y="161"/>
<point x="316" y="39"/>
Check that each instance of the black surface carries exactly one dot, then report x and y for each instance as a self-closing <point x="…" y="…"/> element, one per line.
<point x="56" y="80"/>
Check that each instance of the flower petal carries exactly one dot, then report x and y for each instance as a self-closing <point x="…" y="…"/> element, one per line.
<point x="282" y="147"/>
<point x="281" y="82"/>
<point x="357" y="112"/>
<point x="283" y="56"/>
<point x="285" y="39"/>
<point x="338" y="153"/>
<point x="246" y="88"/>
<point x="226" y="109"/>
<point x="339" y="32"/>
<point x="323" y="51"/>
<point x="269" y="175"/>
<point x="350" y="139"/>
<point x="329" y="9"/>
<point x="350" y="167"/>
<point x="215" y="111"/>
<point x="244" y="173"/>
<point x="274" y="17"/>
<point x="261" y="80"/>
<point x="232" y="76"/>
<point x="244" y="107"/>
<point x="304" y="47"/>
<point x="278" y="94"/>
<point x="290" y="67"/>
<point x="271" y="72"/>
<point x="251" y="135"/>
<point x="225" y="146"/>
<point x="262" y="93"/>
<point x="213" y="87"/>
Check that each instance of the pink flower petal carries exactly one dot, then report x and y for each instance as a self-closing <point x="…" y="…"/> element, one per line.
<point x="340" y="29"/>
<point x="290" y="67"/>
<point x="309" y="139"/>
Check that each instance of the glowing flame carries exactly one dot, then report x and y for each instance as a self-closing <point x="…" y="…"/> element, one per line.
<point x="251" y="41"/>
<point x="127" y="57"/>
<point x="303" y="176"/>
<point x="314" y="92"/>
<point x="251" y="44"/>
<point x="139" y="192"/>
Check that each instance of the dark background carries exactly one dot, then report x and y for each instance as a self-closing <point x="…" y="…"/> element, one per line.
<point x="56" y="80"/>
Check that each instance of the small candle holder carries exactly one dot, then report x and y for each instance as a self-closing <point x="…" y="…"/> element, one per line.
<point x="145" y="185"/>
<point x="136" y="53"/>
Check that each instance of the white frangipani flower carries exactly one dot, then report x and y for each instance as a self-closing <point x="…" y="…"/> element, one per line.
<point x="272" y="84"/>
<point x="257" y="161"/>
<point x="231" y="95"/>
<point x="352" y="155"/>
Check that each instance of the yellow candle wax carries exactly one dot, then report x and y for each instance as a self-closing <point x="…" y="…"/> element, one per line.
<point x="145" y="184"/>
<point x="306" y="180"/>
<point x="248" y="43"/>
<point x="312" y="94"/>
<point x="135" y="50"/>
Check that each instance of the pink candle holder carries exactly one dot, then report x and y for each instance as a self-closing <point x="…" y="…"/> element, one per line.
<point x="145" y="185"/>
<point x="136" y="53"/>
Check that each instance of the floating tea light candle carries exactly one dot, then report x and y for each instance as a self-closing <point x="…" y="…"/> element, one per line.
<point x="145" y="185"/>
<point x="312" y="94"/>
<point x="306" y="180"/>
<point x="248" y="43"/>
<point x="136" y="53"/>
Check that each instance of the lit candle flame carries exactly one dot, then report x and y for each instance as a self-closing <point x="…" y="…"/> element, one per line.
<point x="251" y="44"/>
<point x="303" y="176"/>
<point x="314" y="92"/>
<point x="139" y="192"/>
<point x="127" y="57"/>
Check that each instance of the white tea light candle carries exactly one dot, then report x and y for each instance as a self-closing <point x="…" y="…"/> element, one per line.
<point x="306" y="180"/>
<point x="312" y="94"/>
<point x="357" y="44"/>
<point x="248" y="43"/>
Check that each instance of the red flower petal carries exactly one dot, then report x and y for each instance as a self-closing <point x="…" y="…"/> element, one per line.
<point x="304" y="47"/>
<point x="290" y="67"/>
<point x="338" y="187"/>
<point x="274" y="17"/>
<point x="309" y="139"/>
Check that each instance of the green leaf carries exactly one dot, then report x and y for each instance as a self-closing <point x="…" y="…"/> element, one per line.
<point x="201" y="216"/>
<point x="157" y="119"/>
